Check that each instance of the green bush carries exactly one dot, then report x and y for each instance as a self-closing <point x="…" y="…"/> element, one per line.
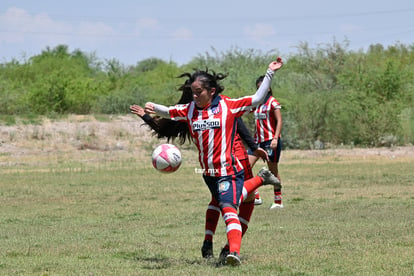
<point x="329" y="95"/>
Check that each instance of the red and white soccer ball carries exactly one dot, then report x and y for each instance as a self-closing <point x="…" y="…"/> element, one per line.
<point x="166" y="158"/>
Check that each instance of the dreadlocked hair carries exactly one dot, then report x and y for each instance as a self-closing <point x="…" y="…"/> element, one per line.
<point x="207" y="79"/>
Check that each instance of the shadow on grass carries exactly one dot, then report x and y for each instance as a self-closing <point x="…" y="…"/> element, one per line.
<point x="159" y="261"/>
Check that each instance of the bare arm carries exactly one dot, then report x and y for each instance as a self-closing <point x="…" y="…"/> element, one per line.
<point x="278" y="130"/>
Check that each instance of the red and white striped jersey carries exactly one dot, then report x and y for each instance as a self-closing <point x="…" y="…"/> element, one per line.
<point x="265" y="120"/>
<point x="239" y="151"/>
<point x="213" y="130"/>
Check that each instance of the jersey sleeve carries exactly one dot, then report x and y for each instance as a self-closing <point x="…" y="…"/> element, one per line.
<point x="240" y="106"/>
<point x="275" y="104"/>
<point x="179" y="112"/>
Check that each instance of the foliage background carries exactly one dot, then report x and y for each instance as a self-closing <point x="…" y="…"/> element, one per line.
<point x="330" y="95"/>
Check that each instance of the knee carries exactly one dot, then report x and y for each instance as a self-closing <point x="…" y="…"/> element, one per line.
<point x="227" y="204"/>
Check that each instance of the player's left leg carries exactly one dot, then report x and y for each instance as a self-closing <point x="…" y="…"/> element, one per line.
<point x="227" y="191"/>
<point x="273" y="165"/>
<point x="229" y="194"/>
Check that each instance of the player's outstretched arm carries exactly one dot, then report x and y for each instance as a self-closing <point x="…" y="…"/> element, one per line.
<point x="261" y="92"/>
<point x="159" y="109"/>
<point x="136" y="109"/>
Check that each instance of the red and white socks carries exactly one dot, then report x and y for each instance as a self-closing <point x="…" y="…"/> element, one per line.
<point x="278" y="196"/>
<point x="233" y="228"/>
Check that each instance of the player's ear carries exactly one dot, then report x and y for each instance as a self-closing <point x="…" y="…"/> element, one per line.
<point x="213" y="91"/>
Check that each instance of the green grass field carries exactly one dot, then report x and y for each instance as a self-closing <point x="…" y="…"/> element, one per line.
<point x="111" y="213"/>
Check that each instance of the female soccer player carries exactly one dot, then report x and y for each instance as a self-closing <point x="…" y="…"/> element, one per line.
<point x="268" y="128"/>
<point x="246" y="207"/>
<point x="211" y="120"/>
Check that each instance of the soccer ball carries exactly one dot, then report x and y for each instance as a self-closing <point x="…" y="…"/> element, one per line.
<point x="166" y="158"/>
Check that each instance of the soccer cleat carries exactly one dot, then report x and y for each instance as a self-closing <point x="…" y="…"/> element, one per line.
<point x="223" y="255"/>
<point x="276" y="206"/>
<point x="233" y="259"/>
<point x="268" y="178"/>
<point x="258" y="201"/>
<point x="207" y="249"/>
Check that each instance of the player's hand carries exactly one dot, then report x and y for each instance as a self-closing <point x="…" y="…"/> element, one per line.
<point x="149" y="108"/>
<point x="136" y="109"/>
<point x="276" y="65"/>
<point x="261" y="153"/>
<point x="273" y="144"/>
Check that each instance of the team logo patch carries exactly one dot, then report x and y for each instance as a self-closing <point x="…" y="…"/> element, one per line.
<point x="223" y="186"/>
<point x="215" y="109"/>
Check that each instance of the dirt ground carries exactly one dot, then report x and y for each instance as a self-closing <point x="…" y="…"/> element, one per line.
<point x="126" y="134"/>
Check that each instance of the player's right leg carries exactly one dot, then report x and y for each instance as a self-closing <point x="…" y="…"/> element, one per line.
<point x="212" y="217"/>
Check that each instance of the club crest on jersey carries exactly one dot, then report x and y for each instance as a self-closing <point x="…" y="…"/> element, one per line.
<point x="223" y="186"/>
<point x="215" y="110"/>
<point x="206" y="124"/>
